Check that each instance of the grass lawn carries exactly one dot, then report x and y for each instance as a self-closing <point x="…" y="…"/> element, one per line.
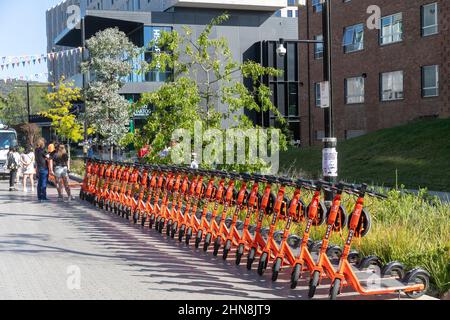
<point x="419" y="152"/>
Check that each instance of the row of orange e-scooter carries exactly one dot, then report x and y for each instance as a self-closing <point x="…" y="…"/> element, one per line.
<point x="229" y="212"/>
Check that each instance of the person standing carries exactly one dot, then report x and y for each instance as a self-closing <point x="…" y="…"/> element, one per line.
<point x="13" y="164"/>
<point x="42" y="164"/>
<point x="60" y="161"/>
<point x="28" y="166"/>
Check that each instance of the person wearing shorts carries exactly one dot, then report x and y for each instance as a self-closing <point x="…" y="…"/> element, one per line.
<point x="60" y="169"/>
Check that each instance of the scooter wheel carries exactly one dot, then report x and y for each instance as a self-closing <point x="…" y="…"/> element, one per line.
<point x="276" y="269"/>
<point x="335" y="289"/>
<point x="181" y="233"/>
<point x="262" y="266"/>
<point x="372" y="263"/>
<point x="393" y="269"/>
<point x="161" y="226"/>
<point x="151" y="222"/>
<point x="188" y="236"/>
<point x="174" y="230"/>
<point x="198" y="239"/>
<point x="239" y="254"/>
<point x="226" y="249"/>
<point x="313" y="284"/>
<point x="295" y="276"/>
<point x="251" y="258"/>
<point x="136" y="217"/>
<point x="417" y="276"/>
<point x="334" y="253"/>
<point x="354" y="258"/>
<point x="207" y="242"/>
<point x="168" y="228"/>
<point x="217" y="244"/>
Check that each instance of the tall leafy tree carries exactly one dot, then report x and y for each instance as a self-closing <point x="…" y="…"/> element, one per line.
<point x="64" y="121"/>
<point x="110" y="60"/>
<point x="205" y="74"/>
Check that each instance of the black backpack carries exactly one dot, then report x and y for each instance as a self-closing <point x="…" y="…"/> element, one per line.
<point x="12" y="164"/>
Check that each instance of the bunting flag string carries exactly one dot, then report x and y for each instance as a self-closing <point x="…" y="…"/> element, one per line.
<point x="30" y="77"/>
<point x="13" y="62"/>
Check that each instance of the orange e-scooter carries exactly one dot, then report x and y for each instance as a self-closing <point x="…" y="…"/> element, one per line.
<point x="106" y="186"/>
<point x="246" y="240"/>
<point x="200" y="224"/>
<point x="211" y="228"/>
<point x="190" y="197"/>
<point x="177" y="211"/>
<point x="163" y="209"/>
<point x="225" y="234"/>
<point x="153" y="190"/>
<point x="193" y="222"/>
<point x="158" y="187"/>
<point x="414" y="284"/>
<point x="295" y="213"/>
<point x="139" y="204"/>
<point x="259" y="243"/>
<point x="175" y="194"/>
<point x="305" y="257"/>
<point x="271" y="249"/>
<point x="337" y="219"/>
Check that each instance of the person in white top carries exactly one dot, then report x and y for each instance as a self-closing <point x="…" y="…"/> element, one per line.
<point x="27" y="162"/>
<point x="13" y="164"/>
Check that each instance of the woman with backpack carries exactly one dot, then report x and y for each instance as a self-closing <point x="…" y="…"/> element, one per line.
<point x="12" y="164"/>
<point x="27" y="162"/>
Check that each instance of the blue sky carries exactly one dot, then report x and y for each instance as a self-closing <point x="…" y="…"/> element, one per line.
<point x="26" y="18"/>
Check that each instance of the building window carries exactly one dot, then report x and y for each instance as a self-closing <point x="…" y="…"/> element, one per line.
<point x="430" y="81"/>
<point x="293" y="100"/>
<point x="391" y="29"/>
<point x="318" y="48"/>
<point x="289" y="13"/>
<point x="429" y="19"/>
<point x="317" y="94"/>
<point x="354" y="90"/>
<point x="392" y="86"/>
<point x="354" y="38"/>
<point x="292" y="3"/>
<point x="278" y="13"/>
<point x="317" y="5"/>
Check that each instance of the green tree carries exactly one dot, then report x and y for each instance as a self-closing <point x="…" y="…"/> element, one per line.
<point x="111" y="54"/>
<point x="65" y="123"/>
<point x="13" y="106"/>
<point x="205" y="74"/>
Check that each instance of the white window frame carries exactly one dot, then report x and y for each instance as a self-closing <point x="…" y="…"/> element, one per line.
<point x="392" y="34"/>
<point x="353" y="46"/>
<point x="357" y="98"/>
<point x="394" y="95"/>
<point x="317" y="94"/>
<point x="436" y="25"/>
<point x="436" y="87"/>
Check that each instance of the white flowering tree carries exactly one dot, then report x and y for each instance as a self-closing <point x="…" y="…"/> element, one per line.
<point x="110" y="60"/>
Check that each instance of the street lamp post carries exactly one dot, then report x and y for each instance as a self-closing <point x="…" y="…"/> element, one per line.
<point x="329" y="153"/>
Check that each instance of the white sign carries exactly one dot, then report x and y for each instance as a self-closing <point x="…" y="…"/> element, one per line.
<point x="330" y="162"/>
<point x="325" y="94"/>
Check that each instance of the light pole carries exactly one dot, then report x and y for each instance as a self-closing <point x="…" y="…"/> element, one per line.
<point x="329" y="153"/>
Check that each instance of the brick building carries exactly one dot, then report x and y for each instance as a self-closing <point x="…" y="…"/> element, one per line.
<point x="381" y="77"/>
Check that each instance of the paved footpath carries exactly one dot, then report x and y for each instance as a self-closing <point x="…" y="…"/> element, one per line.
<point x="43" y="246"/>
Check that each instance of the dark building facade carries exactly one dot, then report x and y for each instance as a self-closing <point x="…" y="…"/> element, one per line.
<point x="381" y="77"/>
<point x="250" y="23"/>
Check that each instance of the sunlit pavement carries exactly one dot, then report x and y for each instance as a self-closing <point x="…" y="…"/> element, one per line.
<point x="73" y="251"/>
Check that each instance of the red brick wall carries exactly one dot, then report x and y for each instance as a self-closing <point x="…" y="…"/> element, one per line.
<point x="409" y="55"/>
